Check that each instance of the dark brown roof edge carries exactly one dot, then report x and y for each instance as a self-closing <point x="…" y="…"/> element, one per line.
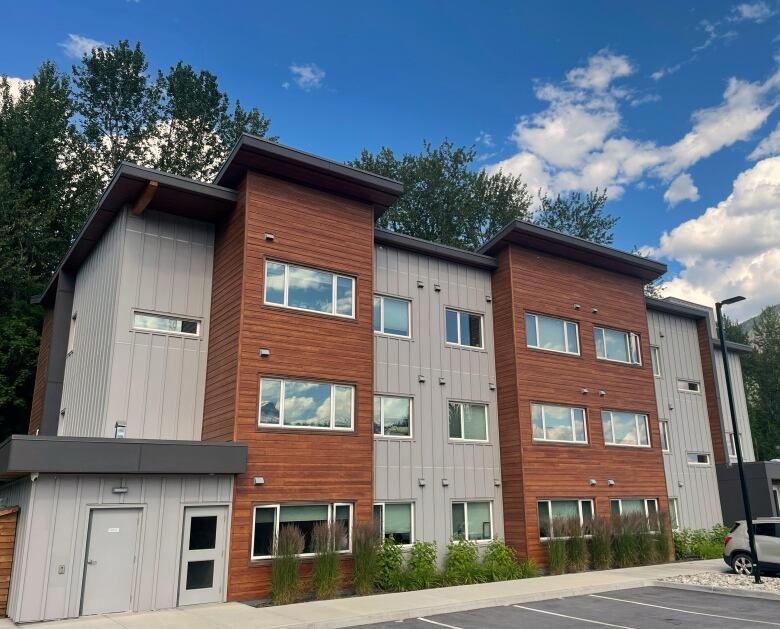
<point x="434" y="249"/>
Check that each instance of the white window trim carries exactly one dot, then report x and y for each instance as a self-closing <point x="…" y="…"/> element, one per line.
<point x="465" y="504"/>
<point x="636" y="422"/>
<point x="655" y="350"/>
<point x="282" y="425"/>
<point x="682" y="386"/>
<point x="411" y="511"/>
<point x="457" y="319"/>
<point x="380" y="331"/>
<point x="663" y="429"/>
<point x="382" y="434"/>
<point x="676" y="522"/>
<point x="696" y="463"/>
<point x="149" y="313"/>
<point x="565" y="334"/>
<point x="571" y="414"/>
<point x="334" y="290"/>
<point x="462" y="405"/>
<point x="645" y="502"/>
<point x="72" y="333"/>
<point x="731" y="446"/>
<point x="549" y="501"/>
<point x="331" y="519"/>
<point x="631" y="337"/>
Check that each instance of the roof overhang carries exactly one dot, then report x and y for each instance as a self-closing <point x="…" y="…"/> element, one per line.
<point x="528" y="235"/>
<point x="739" y="348"/>
<point x="433" y="249"/>
<point x="258" y="155"/>
<point x="26" y="454"/>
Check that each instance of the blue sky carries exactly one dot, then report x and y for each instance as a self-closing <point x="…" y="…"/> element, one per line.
<point x="670" y="105"/>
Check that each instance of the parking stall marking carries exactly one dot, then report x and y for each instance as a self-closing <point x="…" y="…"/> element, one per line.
<point x="684" y="611"/>
<point x="441" y="624"/>
<point x="588" y="620"/>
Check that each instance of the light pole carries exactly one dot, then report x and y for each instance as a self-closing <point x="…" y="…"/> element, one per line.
<point x="737" y="444"/>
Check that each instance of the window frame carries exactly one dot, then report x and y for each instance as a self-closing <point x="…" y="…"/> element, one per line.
<point x="332" y="506"/>
<point x="675" y="522"/>
<point x="655" y="360"/>
<point x="381" y="331"/>
<point x="382" y="434"/>
<point x="636" y="415"/>
<point x="282" y="426"/>
<point x="731" y="445"/>
<point x="458" y="311"/>
<point x="462" y="404"/>
<point x="72" y="332"/>
<point x="645" y="502"/>
<point x="664" y="436"/>
<point x="683" y="381"/>
<point x="285" y="290"/>
<point x="697" y="463"/>
<point x="465" y="504"/>
<point x="571" y="414"/>
<point x="549" y="501"/>
<point x="576" y="325"/>
<point x="148" y="313"/>
<point x="632" y="340"/>
<point x="411" y="504"/>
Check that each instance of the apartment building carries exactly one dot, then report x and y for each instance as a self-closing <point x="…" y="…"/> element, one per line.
<point x="221" y="360"/>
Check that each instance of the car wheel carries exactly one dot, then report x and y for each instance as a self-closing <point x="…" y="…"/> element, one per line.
<point x="743" y="564"/>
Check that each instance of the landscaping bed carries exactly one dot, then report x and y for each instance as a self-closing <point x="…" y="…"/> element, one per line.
<point x="728" y="581"/>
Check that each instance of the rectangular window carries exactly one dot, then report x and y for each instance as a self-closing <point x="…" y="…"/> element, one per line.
<point x="556" y="517"/>
<point x="392" y="416"/>
<point x="698" y="458"/>
<point x="551" y="333"/>
<point x="468" y="422"/>
<point x="688" y="386"/>
<point x="625" y="429"/>
<point x="732" y="445"/>
<point x="674" y="515"/>
<point x="302" y="288"/>
<point x="663" y="426"/>
<point x="302" y="404"/>
<point x="395" y="520"/>
<point x="463" y="328"/>
<point x="558" y="423"/>
<point x="644" y="506"/>
<point x="72" y="334"/>
<point x="616" y="345"/>
<point x="148" y="322"/>
<point x="655" y="359"/>
<point x="392" y="316"/>
<point x="472" y="520"/>
<point x="269" y="519"/>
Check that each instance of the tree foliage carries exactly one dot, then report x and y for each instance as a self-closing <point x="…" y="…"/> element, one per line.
<point x="579" y="216"/>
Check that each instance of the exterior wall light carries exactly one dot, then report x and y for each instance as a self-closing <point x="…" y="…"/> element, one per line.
<point x="421" y="482"/>
<point x="264" y="352"/>
<point x="269" y="237"/>
<point x="259" y="480"/>
<point x="119" y="430"/>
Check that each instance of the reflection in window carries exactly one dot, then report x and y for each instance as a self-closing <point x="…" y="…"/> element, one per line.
<point x="625" y="429"/>
<point x="302" y="404"/>
<point x="268" y="520"/>
<point x="463" y="328"/>
<point x="617" y="345"/>
<point x="303" y="288"/>
<point x="395" y="521"/>
<point x="391" y="316"/>
<point x="551" y="333"/>
<point x="557" y="516"/>
<point x="558" y="423"/>
<point x="392" y="416"/>
<point x="164" y="323"/>
<point x="472" y="521"/>
<point x="468" y="421"/>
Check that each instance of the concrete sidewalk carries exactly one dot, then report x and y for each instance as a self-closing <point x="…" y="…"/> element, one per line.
<point x="348" y="612"/>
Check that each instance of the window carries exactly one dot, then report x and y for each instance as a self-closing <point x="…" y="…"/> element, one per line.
<point x="468" y="422"/>
<point x="162" y="323"/>
<point x="688" y="386"/>
<point x="395" y="520"/>
<point x="622" y="347"/>
<point x="301" y="404"/>
<point x="392" y="416"/>
<point x="269" y="519"/>
<point x="698" y="458"/>
<point x="72" y="334"/>
<point x="655" y="359"/>
<point x="626" y="506"/>
<point x="550" y="333"/>
<point x="557" y="516"/>
<point x="558" y="423"/>
<point x="392" y="316"/>
<point x="472" y="520"/>
<point x="674" y="516"/>
<point x="663" y="426"/>
<point x="302" y="288"/>
<point x="732" y="445"/>
<point x="463" y="328"/>
<point x="776" y="495"/>
<point x="625" y="429"/>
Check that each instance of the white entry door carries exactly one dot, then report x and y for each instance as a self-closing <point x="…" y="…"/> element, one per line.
<point x="203" y="555"/>
<point x="110" y="563"/>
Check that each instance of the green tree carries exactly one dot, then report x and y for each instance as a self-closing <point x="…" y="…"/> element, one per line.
<point x="445" y="200"/>
<point x="579" y="216"/>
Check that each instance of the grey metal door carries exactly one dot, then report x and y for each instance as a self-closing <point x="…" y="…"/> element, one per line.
<point x="110" y="563"/>
<point x="203" y="555"/>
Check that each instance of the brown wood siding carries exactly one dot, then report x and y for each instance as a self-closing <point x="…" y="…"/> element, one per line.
<point x="711" y="391"/>
<point x="320" y="230"/>
<point x="7" y="538"/>
<point x="547" y="284"/>
<point x="36" y="409"/>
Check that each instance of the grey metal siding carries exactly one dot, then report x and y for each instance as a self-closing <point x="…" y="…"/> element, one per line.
<point x="740" y="403"/>
<point x="55" y="517"/>
<point x="695" y="487"/>
<point x="472" y="470"/>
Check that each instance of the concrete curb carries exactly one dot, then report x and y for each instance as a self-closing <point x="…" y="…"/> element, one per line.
<point x="767" y="596"/>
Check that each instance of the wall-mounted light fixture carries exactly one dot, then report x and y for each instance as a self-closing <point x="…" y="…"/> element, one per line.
<point x="492" y="386"/>
<point x="488" y="298"/>
<point x="421" y="482"/>
<point x="119" y="490"/>
<point x="119" y="430"/>
<point x="444" y="482"/>
<point x="577" y="306"/>
<point x="259" y="480"/>
<point x="264" y="352"/>
<point x="594" y="310"/>
<point x="442" y="381"/>
<point x="602" y="392"/>
<point x="437" y="287"/>
<point x="611" y="483"/>
<point x="584" y="391"/>
<point x="421" y="378"/>
<point x="269" y="236"/>
<point x="420" y="284"/>
<point x="592" y="482"/>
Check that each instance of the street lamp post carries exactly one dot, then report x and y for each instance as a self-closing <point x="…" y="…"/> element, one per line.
<point x="734" y="427"/>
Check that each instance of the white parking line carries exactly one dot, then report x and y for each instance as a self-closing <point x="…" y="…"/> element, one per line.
<point x="593" y="622"/>
<point x="441" y="624"/>
<point x="685" y="611"/>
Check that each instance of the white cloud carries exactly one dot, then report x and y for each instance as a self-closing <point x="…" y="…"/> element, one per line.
<point x="307" y="76"/>
<point x="15" y="86"/>
<point x="733" y="247"/>
<point x="602" y="70"/>
<point x="681" y="189"/>
<point x="485" y="139"/>
<point x="770" y="145"/>
<point x="77" y="46"/>
<point x="752" y="11"/>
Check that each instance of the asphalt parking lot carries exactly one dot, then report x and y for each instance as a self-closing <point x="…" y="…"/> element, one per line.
<point x="641" y="608"/>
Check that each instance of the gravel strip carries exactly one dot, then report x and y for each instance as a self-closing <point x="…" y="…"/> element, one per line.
<point x="729" y="581"/>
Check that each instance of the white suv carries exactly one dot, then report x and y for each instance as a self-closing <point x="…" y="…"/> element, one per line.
<point x="736" y="547"/>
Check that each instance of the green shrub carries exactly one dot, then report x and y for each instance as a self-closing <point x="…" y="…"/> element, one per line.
<point x="285" y="577"/>
<point x="421" y="571"/>
<point x="365" y="554"/>
<point x="461" y="567"/>
<point x="326" y="573"/>
<point x="576" y="547"/>
<point x="601" y="544"/>
<point x="645" y="548"/>
<point x="527" y="569"/>
<point x="682" y="543"/>
<point x="556" y="548"/>
<point x="390" y="566"/>
<point x="626" y="530"/>
<point x="700" y="543"/>
<point x="707" y="549"/>
<point x="662" y="547"/>
<point x="500" y="562"/>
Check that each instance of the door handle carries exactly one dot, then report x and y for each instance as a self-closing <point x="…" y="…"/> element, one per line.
<point x="91" y="562"/>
